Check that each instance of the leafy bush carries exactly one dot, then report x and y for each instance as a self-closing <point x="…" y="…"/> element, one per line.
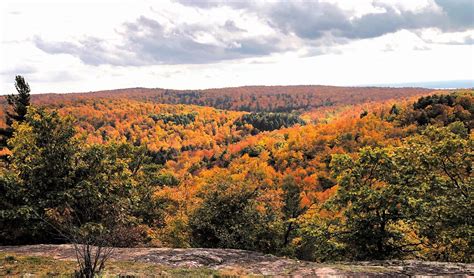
<point x="228" y="218"/>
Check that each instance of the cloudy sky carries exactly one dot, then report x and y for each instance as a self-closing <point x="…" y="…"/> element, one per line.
<point x="73" y="46"/>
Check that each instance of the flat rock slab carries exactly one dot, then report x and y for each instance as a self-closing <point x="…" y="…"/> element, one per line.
<point x="256" y="263"/>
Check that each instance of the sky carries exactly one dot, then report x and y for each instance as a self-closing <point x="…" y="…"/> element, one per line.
<point x="76" y="46"/>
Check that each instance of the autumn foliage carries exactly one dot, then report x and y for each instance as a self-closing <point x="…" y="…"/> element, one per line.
<point x="320" y="173"/>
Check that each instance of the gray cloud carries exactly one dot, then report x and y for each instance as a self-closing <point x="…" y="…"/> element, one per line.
<point x="316" y="25"/>
<point x="153" y="44"/>
<point x="232" y="27"/>
<point x="8" y="75"/>
<point x="469" y="40"/>
<point x="208" y="4"/>
<point x="378" y="24"/>
<point x="23" y="69"/>
<point x="146" y="41"/>
<point x="57" y="47"/>
<point x="315" y="19"/>
<point x="90" y="50"/>
<point x="460" y="13"/>
<point x="310" y="21"/>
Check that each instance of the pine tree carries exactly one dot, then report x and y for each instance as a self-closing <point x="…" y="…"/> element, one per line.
<point x="19" y="106"/>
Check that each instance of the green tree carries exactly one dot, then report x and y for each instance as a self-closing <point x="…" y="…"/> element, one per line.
<point x="44" y="154"/>
<point x="228" y="218"/>
<point x="438" y="163"/>
<point x="374" y="207"/>
<point x="413" y="199"/>
<point x="319" y="239"/>
<point x="55" y="179"/>
<point x="292" y="208"/>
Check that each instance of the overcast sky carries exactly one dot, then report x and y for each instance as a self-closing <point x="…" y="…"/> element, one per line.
<point x="73" y="46"/>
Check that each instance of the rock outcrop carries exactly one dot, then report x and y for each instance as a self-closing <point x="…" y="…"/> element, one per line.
<point x="256" y="263"/>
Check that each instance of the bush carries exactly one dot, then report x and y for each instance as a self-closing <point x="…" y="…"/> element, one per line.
<point x="228" y="218"/>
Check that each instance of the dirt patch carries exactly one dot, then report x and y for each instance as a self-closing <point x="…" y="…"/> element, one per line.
<point x="256" y="263"/>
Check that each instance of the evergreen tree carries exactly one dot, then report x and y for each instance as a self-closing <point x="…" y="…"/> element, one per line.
<point x="19" y="106"/>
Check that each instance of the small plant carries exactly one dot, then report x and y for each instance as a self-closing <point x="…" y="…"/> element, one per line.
<point x="91" y="241"/>
<point x="10" y="259"/>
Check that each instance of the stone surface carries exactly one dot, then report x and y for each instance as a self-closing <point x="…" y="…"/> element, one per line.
<point x="257" y="263"/>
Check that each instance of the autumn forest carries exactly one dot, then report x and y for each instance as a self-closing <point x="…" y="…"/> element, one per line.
<point x="317" y="173"/>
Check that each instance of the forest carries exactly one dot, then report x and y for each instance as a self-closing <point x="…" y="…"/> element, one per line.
<point x="311" y="172"/>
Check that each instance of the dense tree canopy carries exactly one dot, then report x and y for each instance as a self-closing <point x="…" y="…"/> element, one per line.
<point x="332" y="185"/>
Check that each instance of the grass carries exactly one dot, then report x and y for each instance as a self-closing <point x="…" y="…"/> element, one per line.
<point x="18" y="266"/>
<point x="35" y="266"/>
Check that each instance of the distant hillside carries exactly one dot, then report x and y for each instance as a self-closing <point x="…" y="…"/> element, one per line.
<point x="250" y="98"/>
<point x="445" y="84"/>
